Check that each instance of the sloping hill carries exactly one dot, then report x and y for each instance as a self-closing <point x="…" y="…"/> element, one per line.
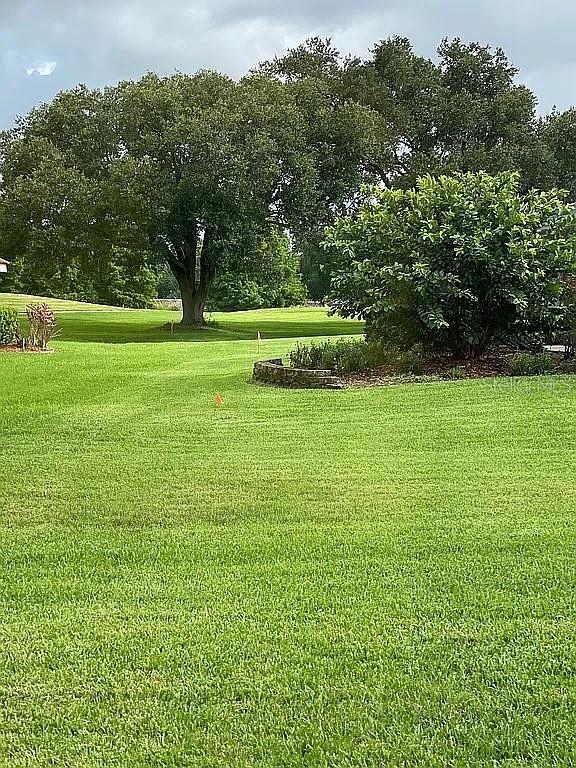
<point x="20" y="300"/>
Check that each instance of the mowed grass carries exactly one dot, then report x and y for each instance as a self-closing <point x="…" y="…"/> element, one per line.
<point x="379" y="577"/>
<point x="78" y="321"/>
<point x="163" y="326"/>
<point x="20" y="301"/>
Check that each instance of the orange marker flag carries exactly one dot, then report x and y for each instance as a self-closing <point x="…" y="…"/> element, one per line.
<point x="219" y="399"/>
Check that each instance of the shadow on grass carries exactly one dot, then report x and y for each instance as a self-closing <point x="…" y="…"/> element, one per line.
<point x="161" y="327"/>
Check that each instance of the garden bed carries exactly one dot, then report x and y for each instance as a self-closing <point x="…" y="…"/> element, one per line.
<point x="362" y="363"/>
<point x="433" y="370"/>
<point x="28" y="349"/>
<point x="451" y="369"/>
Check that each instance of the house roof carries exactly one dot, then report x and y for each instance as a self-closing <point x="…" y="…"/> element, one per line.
<point x="3" y="261"/>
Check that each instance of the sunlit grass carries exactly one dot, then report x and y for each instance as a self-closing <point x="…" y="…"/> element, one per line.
<point x="93" y="322"/>
<point x="20" y="301"/>
<point x="379" y="577"/>
<point x="163" y="325"/>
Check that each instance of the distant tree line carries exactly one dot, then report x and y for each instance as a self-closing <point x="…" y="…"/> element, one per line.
<point x="230" y="185"/>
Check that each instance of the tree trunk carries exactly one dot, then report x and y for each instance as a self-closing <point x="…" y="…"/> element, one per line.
<point x="193" y="302"/>
<point x="193" y="266"/>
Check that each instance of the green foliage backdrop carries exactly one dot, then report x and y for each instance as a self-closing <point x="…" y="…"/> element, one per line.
<point x="457" y="263"/>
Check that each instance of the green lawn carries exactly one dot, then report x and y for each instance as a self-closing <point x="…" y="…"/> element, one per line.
<point x="93" y="322"/>
<point x="20" y="301"/>
<point x="380" y="577"/>
<point x="163" y="326"/>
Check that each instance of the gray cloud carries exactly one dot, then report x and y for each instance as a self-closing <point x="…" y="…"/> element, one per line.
<point x="108" y="40"/>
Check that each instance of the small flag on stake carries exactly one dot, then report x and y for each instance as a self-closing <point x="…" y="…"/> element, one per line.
<point x="219" y="399"/>
<point x="259" y="341"/>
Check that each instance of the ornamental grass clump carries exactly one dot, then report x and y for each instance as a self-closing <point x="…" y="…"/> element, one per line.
<point x="42" y="325"/>
<point x="355" y="356"/>
<point x="340" y="356"/>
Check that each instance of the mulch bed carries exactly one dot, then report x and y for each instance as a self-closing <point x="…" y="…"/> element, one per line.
<point x="473" y="369"/>
<point x="31" y="350"/>
<point x="437" y="369"/>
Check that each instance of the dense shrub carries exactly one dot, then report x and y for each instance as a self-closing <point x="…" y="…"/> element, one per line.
<point x="235" y="292"/>
<point x="354" y="356"/>
<point x="525" y="364"/>
<point x="270" y="277"/>
<point x="342" y="355"/>
<point x="167" y="286"/>
<point x="119" y="282"/>
<point x="455" y="264"/>
<point x="9" y="327"/>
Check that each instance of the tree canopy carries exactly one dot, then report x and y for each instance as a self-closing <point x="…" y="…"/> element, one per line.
<point x="100" y="188"/>
<point x="463" y="112"/>
<point x="191" y="170"/>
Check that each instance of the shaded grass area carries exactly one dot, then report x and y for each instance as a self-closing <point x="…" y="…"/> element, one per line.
<point x="298" y="578"/>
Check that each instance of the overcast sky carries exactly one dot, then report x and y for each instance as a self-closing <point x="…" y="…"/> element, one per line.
<point x="48" y="45"/>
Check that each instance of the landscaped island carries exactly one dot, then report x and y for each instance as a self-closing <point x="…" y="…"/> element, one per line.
<point x="335" y="364"/>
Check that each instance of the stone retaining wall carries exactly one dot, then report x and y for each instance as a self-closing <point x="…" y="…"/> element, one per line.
<point x="275" y="372"/>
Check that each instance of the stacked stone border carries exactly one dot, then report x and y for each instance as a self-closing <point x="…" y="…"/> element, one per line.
<point x="275" y="372"/>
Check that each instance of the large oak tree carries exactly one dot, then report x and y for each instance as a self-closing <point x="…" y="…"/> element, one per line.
<point x="462" y="112"/>
<point x="192" y="170"/>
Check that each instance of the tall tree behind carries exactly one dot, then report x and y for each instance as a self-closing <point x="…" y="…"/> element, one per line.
<point x="407" y="116"/>
<point x="189" y="169"/>
<point x="464" y="112"/>
<point x="192" y="170"/>
<point x="346" y="139"/>
<point x="557" y="163"/>
<point x="217" y="158"/>
<point x="56" y="202"/>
